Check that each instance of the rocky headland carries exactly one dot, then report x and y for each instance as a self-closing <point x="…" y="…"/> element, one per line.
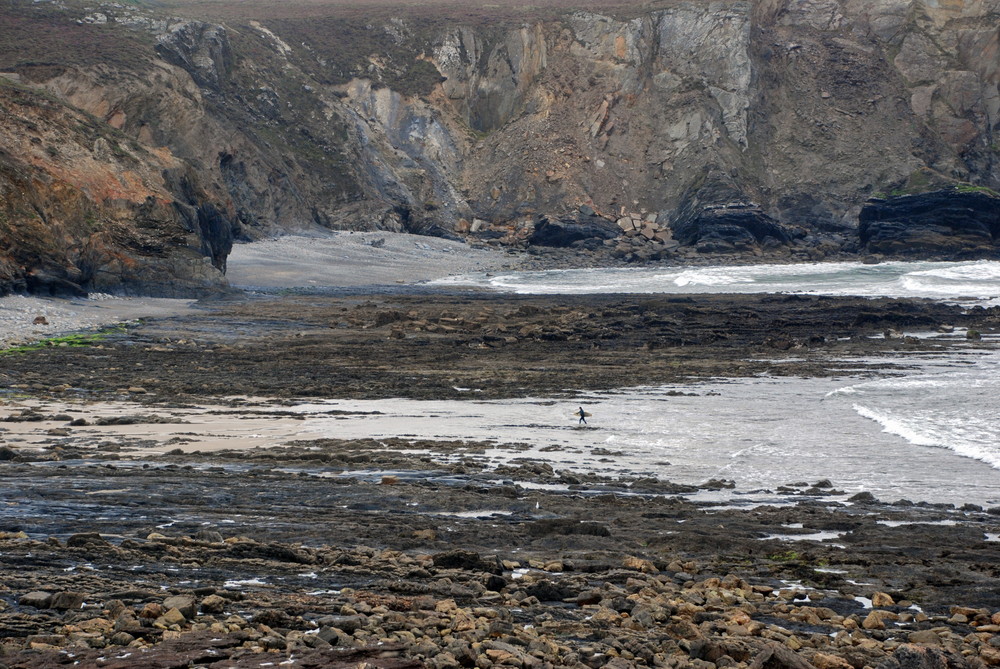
<point x="139" y="142"/>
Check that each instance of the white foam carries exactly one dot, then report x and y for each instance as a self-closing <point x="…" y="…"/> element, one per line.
<point x="714" y="276"/>
<point x="229" y="585"/>
<point x="898" y="426"/>
<point x="966" y="435"/>
<point x="976" y="281"/>
<point x="814" y="536"/>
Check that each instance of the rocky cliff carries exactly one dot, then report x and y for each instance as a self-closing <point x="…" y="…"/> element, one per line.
<point x="729" y="125"/>
<point x="83" y="207"/>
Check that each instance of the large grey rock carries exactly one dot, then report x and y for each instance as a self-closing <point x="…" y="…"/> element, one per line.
<point x="38" y="599"/>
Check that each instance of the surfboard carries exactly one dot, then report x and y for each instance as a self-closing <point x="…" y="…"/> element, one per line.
<point x="576" y="414"/>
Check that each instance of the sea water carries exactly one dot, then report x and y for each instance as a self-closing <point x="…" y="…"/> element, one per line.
<point x="972" y="282"/>
<point x="928" y="431"/>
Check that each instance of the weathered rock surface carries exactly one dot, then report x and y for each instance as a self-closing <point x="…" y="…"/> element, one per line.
<point x="415" y="123"/>
<point x="86" y="208"/>
<point x="715" y="216"/>
<point x="586" y="228"/>
<point x="946" y="222"/>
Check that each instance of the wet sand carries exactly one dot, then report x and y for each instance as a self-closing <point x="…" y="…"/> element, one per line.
<point x="356" y="259"/>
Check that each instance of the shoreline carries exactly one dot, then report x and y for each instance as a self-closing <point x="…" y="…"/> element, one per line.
<point x="375" y="564"/>
<point x="139" y="535"/>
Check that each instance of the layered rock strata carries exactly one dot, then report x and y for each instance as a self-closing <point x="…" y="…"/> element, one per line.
<point x="960" y="223"/>
<point x="400" y="122"/>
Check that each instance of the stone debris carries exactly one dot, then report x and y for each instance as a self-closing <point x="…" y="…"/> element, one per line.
<point x="635" y="614"/>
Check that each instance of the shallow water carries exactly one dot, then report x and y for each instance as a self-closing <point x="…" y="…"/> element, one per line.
<point x="932" y="433"/>
<point x="760" y="433"/>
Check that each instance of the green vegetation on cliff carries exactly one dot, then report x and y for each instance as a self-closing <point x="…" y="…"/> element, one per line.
<point x="40" y="39"/>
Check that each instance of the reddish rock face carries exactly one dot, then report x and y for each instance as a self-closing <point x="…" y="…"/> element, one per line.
<point x="86" y="209"/>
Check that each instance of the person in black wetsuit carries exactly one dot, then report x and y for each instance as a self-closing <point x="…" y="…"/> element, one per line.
<point x="583" y="416"/>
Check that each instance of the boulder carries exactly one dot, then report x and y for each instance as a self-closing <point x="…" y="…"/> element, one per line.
<point x="467" y="560"/>
<point x="953" y="221"/>
<point x="566" y="230"/>
<point x="66" y="601"/>
<point x="171" y="617"/>
<point x="346" y="624"/>
<point x="909" y="656"/>
<point x="87" y="540"/>
<point x="213" y="604"/>
<point x="183" y="603"/>
<point x="37" y="599"/>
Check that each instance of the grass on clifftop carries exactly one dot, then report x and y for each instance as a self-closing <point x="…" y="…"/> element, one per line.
<point x="39" y="35"/>
<point x="926" y="180"/>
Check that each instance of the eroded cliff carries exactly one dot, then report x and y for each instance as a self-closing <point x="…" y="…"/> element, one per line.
<point x="83" y="207"/>
<point x="734" y="124"/>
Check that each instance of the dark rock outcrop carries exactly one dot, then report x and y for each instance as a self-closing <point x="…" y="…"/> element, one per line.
<point x="464" y="559"/>
<point x="717" y="217"/>
<point x="584" y="226"/>
<point x="948" y="222"/>
<point x="84" y="208"/>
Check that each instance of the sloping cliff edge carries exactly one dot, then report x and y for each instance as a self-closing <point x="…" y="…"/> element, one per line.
<point x="136" y="145"/>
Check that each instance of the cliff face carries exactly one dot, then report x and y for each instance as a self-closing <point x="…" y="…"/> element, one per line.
<point x="794" y="110"/>
<point x="85" y="208"/>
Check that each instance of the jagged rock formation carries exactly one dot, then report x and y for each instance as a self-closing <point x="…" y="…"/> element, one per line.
<point x="959" y="223"/>
<point x="714" y="216"/>
<point x="85" y="208"/>
<point x="408" y="121"/>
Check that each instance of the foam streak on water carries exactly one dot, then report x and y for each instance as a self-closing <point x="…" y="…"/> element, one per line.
<point x="967" y="281"/>
<point x="954" y="408"/>
<point x="914" y="437"/>
<point x="931" y="434"/>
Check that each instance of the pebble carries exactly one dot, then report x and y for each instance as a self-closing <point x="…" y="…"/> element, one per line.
<point x="635" y="615"/>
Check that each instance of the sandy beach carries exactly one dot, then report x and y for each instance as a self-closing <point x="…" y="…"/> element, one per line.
<point x="356" y="259"/>
<point x="296" y="261"/>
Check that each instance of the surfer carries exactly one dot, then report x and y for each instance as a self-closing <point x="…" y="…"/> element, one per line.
<point x="583" y="416"/>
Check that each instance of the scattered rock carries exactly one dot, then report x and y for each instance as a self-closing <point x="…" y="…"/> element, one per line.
<point x="67" y="601"/>
<point x="213" y="604"/>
